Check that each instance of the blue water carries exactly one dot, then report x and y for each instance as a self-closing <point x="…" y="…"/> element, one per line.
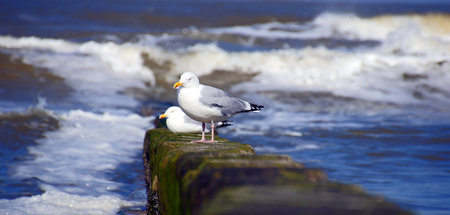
<point x="408" y="164"/>
<point x="70" y="90"/>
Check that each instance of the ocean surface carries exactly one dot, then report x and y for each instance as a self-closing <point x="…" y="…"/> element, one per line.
<point x="360" y="89"/>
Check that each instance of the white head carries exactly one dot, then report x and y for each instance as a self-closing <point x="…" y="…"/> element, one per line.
<point x="172" y="111"/>
<point x="187" y="80"/>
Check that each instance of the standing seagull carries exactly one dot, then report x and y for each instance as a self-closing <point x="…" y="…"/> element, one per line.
<point x="208" y="104"/>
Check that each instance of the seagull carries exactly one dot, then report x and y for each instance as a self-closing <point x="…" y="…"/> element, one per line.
<point x="179" y="122"/>
<point x="208" y="104"/>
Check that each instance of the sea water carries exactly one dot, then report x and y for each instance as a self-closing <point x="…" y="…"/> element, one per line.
<point x="358" y="89"/>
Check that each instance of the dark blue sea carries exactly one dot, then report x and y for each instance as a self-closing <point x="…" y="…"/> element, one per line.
<point x="359" y="89"/>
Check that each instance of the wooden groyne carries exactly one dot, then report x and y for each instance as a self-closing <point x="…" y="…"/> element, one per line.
<point x="229" y="178"/>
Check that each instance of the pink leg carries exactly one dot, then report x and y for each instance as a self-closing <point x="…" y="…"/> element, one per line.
<point x="212" y="133"/>
<point x="203" y="135"/>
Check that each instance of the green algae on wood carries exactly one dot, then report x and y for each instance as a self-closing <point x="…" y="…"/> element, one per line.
<point x="163" y="152"/>
<point x="229" y="178"/>
<point x="288" y="199"/>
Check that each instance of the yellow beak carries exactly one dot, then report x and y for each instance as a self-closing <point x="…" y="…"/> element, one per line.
<point x="176" y="85"/>
<point x="162" y="116"/>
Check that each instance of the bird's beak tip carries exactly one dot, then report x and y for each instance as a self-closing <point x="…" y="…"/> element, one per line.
<point x="176" y="85"/>
<point x="162" y="116"/>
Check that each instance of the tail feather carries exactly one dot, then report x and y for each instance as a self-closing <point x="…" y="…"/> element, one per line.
<point x="225" y="123"/>
<point x="254" y="108"/>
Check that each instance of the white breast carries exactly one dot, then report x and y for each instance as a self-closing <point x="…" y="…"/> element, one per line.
<point x="177" y="126"/>
<point x="189" y="101"/>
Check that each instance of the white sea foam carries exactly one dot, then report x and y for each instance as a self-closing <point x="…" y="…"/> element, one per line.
<point x="273" y="30"/>
<point x="97" y="71"/>
<point x="344" y="26"/>
<point x="375" y="75"/>
<point x="72" y="163"/>
<point x="86" y="146"/>
<point x="57" y="202"/>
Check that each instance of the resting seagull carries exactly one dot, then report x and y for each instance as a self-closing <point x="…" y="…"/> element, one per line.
<point x="208" y="104"/>
<point x="179" y="122"/>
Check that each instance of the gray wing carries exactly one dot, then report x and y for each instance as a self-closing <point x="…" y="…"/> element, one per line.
<point x="228" y="104"/>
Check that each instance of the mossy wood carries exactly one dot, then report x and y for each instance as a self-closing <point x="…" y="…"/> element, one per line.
<point x="229" y="178"/>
